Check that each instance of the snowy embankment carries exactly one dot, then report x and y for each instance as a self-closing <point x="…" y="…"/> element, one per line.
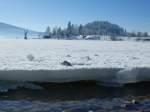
<point x="105" y="61"/>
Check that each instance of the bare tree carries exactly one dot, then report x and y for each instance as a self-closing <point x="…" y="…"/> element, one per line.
<point x="26" y="34"/>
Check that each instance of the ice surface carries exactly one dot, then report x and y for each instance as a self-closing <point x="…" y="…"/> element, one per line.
<point x="106" y="61"/>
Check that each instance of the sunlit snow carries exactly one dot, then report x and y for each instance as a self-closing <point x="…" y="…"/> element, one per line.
<point x="48" y="54"/>
<point x="105" y="61"/>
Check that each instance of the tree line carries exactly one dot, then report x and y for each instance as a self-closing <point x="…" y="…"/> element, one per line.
<point x="138" y="34"/>
<point x="93" y="28"/>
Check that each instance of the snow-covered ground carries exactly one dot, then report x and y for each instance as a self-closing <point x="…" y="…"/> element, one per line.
<point x="48" y="54"/>
<point x="40" y="60"/>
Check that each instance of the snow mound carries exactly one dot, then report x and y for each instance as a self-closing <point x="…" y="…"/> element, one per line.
<point x="133" y="75"/>
<point x="129" y="75"/>
<point x="30" y="57"/>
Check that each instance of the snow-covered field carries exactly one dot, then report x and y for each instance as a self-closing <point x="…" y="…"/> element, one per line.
<point x="48" y="54"/>
<point x="40" y="60"/>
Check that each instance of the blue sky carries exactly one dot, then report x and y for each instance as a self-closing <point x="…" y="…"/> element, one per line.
<point x="38" y="14"/>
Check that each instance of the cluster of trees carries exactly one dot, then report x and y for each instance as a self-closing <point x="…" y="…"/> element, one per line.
<point x="138" y="34"/>
<point x="58" y="32"/>
<point x="93" y="28"/>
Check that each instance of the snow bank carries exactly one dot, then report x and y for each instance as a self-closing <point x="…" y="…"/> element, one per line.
<point x="40" y="60"/>
<point x="103" y="75"/>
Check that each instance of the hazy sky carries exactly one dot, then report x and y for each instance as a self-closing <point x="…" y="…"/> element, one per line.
<point x="38" y="14"/>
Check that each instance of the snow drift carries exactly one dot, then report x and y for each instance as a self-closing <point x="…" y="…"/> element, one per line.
<point x="106" y="62"/>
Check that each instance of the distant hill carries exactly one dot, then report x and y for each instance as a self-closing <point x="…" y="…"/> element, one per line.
<point x="10" y="31"/>
<point x="103" y="28"/>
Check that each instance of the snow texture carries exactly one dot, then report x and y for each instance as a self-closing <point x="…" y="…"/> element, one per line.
<point x="105" y="61"/>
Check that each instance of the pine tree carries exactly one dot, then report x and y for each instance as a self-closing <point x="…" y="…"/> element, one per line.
<point x="54" y="32"/>
<point x="145" y="34"/>
<point x="59" y="33"/>
<point x="81" y="31"/>
<point x="47" y="33"/>
<point x="48" y="30"/>
<point x="139" y="34"/>
<point x="69" y="29"/>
